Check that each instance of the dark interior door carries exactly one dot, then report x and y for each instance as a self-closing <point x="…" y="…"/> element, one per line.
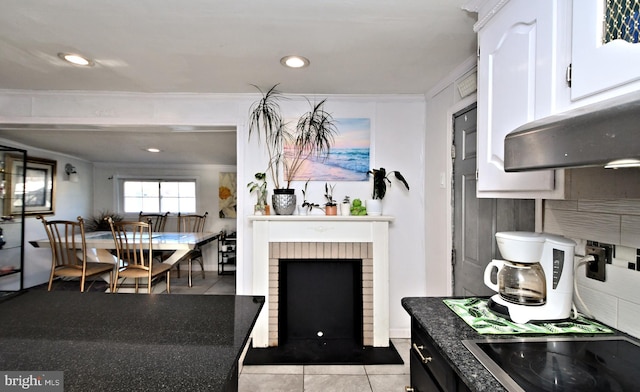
<point x="476" y="220"/>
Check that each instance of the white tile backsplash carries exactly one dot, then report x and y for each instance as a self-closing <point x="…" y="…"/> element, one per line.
<point x="615" y="302"/>
<point x="604" y="305"/>
<point x="628" y="316"/>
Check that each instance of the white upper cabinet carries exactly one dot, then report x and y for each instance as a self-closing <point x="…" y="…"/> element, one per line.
<point x="517" y="83"/>
<point x="602" y="62"/>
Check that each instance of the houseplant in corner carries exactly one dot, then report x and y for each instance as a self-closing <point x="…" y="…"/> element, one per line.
<point x="380" y="180"/>
<point x="289" y="148"/>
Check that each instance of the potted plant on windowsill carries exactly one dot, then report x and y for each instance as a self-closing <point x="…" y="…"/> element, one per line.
<point x="380" y="180"/>
<point x="330" y="207"/>
<point x="288" y="148"/>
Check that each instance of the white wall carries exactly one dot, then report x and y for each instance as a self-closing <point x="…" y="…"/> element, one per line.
<point x="442" y="102"/>
<point x="72" y="199"/>
<point x="398" y="138"/>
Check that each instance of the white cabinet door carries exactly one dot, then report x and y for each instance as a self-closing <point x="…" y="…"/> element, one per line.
<point x="598" y="67"/>
<point x="517" y="82"/>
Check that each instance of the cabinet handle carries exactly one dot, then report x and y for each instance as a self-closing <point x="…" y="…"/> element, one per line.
<point x="418" y="351"/>
<point x="409" y="389"/>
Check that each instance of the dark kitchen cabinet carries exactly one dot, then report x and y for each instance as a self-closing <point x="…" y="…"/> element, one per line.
<point x="430" y="371"/>
<point x="12" y="201"/>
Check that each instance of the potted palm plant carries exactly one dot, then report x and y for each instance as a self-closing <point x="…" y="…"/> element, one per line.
<point x="288" y="148"/>
<point x="380" y="180"/>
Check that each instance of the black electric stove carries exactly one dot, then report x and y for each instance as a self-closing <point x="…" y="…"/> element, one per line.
<point x="561" y="364"/>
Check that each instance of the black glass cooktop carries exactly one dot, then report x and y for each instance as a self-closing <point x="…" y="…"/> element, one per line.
<point x="561" y="364"/>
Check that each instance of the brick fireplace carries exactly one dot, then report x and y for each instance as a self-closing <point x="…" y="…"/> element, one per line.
<point x="316" y="238"/>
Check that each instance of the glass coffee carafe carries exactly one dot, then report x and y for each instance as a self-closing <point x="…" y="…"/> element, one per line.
<point x="519" y="283"/>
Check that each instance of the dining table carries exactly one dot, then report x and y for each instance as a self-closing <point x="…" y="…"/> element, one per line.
<point x="101" y="243"/>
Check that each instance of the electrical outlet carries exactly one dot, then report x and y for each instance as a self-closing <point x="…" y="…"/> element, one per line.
<point x="596" y="269"/>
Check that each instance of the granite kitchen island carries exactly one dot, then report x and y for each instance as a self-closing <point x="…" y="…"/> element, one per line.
<point x="128" y="342"/>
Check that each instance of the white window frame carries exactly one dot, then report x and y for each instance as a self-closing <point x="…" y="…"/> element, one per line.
<point x="121" y="196"/>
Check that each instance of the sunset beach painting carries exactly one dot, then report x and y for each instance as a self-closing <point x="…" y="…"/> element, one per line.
<point x="349" y="156"/>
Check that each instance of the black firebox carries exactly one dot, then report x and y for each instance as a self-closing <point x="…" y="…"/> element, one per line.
<point x="320" y="302"/>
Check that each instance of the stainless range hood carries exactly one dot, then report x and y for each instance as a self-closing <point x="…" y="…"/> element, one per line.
<point x="593" y="135"/>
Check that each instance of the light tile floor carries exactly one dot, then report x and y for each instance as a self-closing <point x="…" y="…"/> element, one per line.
<point x="307" y="378"/>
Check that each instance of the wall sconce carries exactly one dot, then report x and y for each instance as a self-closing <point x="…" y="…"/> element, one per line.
<point x="72" y="174"/>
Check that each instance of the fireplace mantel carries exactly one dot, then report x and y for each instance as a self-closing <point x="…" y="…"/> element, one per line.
<point x="374" y="230"/>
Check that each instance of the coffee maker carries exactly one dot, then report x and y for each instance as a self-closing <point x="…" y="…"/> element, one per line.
<point x="535" y="279"/>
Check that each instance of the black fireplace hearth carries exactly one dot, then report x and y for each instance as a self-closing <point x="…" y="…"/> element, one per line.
<point x="311" y="352"/>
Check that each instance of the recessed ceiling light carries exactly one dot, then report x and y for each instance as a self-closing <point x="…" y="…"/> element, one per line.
<point x="153" y="149"/>
<point x="294" y="61"/>
<point x="76" y="59"/>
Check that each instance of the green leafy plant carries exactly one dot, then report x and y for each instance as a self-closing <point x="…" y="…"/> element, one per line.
<point x="287" y="148"/>
<point x="99" y="222"/>
<point x="307" y="203"/>
<point x="260" y="187"/>
<point x="380" y="180"/>
<point x="328" y="194"/>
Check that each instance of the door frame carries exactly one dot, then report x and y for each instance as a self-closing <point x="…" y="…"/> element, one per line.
<point x="455" y="108"/>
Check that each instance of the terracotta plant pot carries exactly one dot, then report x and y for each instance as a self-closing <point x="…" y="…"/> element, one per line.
<point x="331" y="210"/>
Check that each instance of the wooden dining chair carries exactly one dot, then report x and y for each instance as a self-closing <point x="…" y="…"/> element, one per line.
<point x="158" y="221"/>
<point x="134" y="250"/>
<point x="192" y="223"/>
<point x="69" y="252"/>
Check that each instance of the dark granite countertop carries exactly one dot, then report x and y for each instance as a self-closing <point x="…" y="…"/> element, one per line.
<point x="448" y="331"/>
<point x="127" y="342"/>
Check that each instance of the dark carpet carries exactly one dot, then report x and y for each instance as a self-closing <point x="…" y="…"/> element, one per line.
<point x="314" y="352"/>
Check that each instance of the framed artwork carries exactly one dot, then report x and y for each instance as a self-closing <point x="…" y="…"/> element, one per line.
<point x="38" y="189"/>
<point x="228" y="196"/>
<point x="349" y="158"/>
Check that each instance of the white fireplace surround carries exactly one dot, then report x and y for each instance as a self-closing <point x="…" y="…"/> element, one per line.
<point x="269" y="229"/>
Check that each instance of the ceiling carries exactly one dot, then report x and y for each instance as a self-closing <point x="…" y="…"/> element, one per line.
<point x="221" y="46"/>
